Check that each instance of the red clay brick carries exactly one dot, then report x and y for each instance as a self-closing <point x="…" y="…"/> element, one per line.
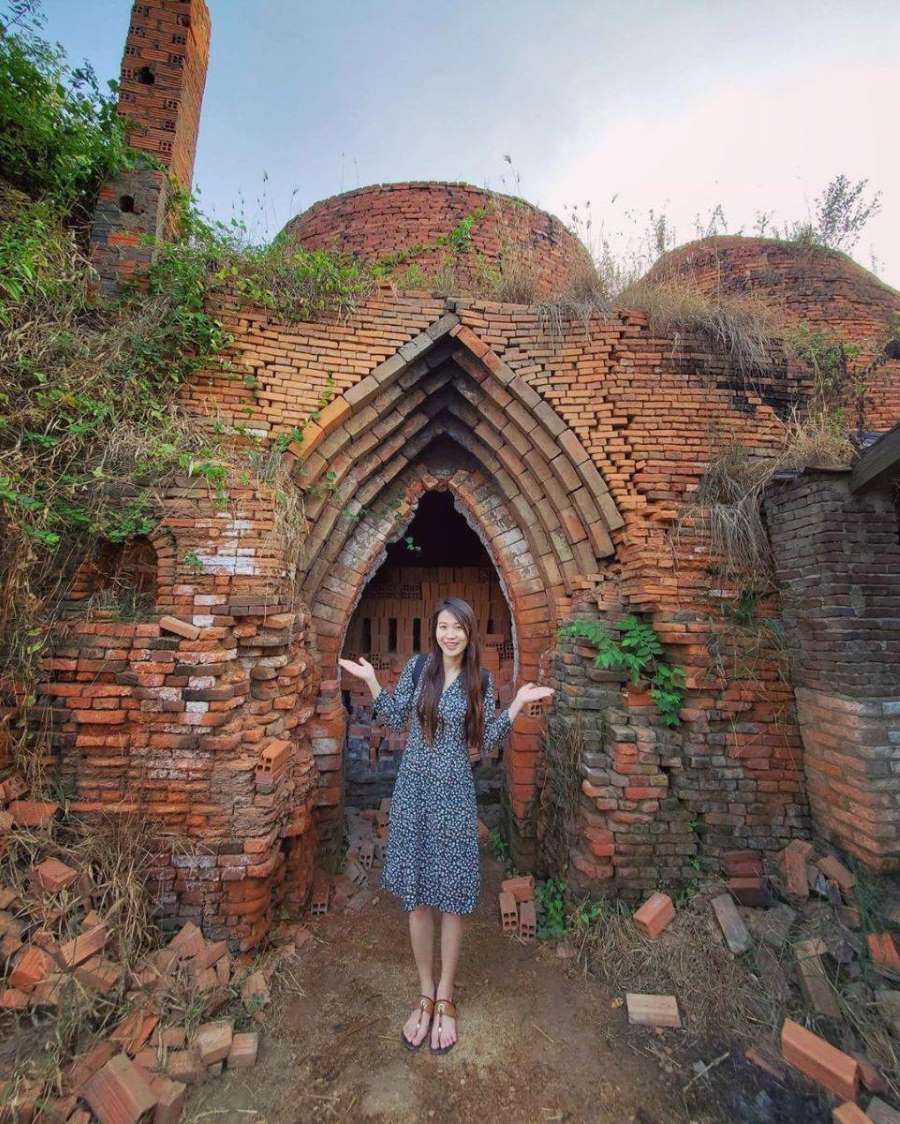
<point x="835" y="870"/>
<point x="521" y="887"/>
<point x="244" y="1048"/>
<point x="850" y="1113"/>
<point x="654" y="915"/>
<point x="117" y="1093"/>
<point x="84" y="946"/>
<point x="32" y="966"/>
<point x="884" y="951"/>
<point x="820" y="1060"/>
<point x="186" y="1066"/>
<point x="213" y="1041"/>
<point x="180" y="628"/>
<point x="52" y="875"/>
<point x="793" y="861"/>
<point x="33" y="813"/>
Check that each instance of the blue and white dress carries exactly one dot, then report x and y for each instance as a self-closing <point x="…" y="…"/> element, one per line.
<point x="432" y="853"/>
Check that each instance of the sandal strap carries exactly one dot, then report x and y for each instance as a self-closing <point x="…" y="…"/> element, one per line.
<point x="446" y="1007"/>
<point x="427" y="1004"/>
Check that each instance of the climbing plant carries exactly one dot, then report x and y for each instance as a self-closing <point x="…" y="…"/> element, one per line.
<point x="92" y="428"/>
<point x="639" y="652"/>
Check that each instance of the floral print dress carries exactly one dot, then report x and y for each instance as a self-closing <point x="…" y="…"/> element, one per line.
<point x="432" y="855"/>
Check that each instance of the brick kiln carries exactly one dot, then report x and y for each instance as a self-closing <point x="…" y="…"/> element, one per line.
<point x="539" y="474"/>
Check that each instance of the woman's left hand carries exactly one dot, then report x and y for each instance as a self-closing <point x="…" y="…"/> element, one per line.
<point x="531" y="692"/>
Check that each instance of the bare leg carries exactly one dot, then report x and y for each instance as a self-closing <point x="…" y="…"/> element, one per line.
<point x="421" y="932"/>
<point x="451" y="942"/>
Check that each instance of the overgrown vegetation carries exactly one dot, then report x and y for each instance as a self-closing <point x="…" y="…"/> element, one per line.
<point x="91" y="428"/>
<point x="728" y="500"/>
<point x="740" y="324"/>
<point x="637" y="651"/>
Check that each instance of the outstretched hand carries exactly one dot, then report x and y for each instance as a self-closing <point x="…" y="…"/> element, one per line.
<point x="361" y="668"/>
<point x="531" y="692"/>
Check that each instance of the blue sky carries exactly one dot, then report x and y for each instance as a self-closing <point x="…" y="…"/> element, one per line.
<point x="675" y="106"/>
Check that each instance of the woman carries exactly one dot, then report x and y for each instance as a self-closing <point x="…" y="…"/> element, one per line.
<point x="432" y="858"/>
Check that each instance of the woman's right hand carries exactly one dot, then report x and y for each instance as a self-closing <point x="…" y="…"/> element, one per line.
<point x="361" y="668"/>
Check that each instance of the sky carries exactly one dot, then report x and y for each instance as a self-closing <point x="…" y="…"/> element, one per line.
<point x="615" y="108"/>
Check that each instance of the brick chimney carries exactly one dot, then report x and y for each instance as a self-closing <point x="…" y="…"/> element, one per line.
<point x="160" y="94"/>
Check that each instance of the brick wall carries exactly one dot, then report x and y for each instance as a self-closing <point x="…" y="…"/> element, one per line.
<point x="838" y="556"/>
<point x="376" y="222"/>
<point x="162" y="79"/>
<point x="646" y="421"/>
<point x="198" y="715"/>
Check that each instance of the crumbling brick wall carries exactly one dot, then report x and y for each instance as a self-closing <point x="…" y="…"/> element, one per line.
<point x="196" y="715"/>
<point x="837" y="556"/>
<point x="160" y="95"/>
<point x="646" y="421"/>
<point x="569" y="453"/>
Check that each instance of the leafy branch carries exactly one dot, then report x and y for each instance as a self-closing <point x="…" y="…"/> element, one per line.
<point x="638" y="651"/>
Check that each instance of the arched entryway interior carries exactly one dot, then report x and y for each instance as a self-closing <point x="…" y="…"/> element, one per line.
<point x="438" y="555"/>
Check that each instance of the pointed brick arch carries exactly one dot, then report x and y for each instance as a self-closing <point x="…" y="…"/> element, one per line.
<point x="448" y="372"/>
<point x="334" y="528"/>
<point x="485" y="508"/>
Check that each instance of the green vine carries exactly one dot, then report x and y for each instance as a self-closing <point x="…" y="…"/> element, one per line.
<point x="458" y="240"/>
<point x="639" y="652"/>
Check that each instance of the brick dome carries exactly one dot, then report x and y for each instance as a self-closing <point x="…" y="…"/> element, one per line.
<point x="822" y="287"/>
<point x="410" y="222"/>
<point x="818" y="287"/>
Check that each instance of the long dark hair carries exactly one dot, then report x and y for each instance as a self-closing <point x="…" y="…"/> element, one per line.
<point x="433" y="675"/>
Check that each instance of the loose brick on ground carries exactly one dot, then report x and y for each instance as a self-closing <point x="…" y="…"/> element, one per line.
<point x="819" y="1060"/>
<point x="652" y="1010"/>
<point x="170" y="1096"/>
<point x="244" y="1048"/>
<point x="117" y="1093"/>
<point x="654" y="915"/>
<point x="509" y="917"/>
<point x="521" y="887"/>
<point x="52" y="875"/>
<point x="32" y="966"/>
<point x="884" y="950"/>
<point x="213" y="1041"/>
<point x="731" y="923"/>
<point x="850" y="1113"/>
<point x="186" y="1066"/>
<point x="84" y="946"/>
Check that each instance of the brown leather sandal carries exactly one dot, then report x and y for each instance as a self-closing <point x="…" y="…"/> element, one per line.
<point x="426" y="1006"/>
<point x="444" y="1006"/>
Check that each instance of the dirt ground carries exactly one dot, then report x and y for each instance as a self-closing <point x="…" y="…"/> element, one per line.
<point x="539" y="1041"/>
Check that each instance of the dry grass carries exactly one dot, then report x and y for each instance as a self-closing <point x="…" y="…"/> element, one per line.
<point x="741" y="325"/>
<point x="728" y="500"/>
<point x="116" y="857"/>
<point x="715" y="992"/>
